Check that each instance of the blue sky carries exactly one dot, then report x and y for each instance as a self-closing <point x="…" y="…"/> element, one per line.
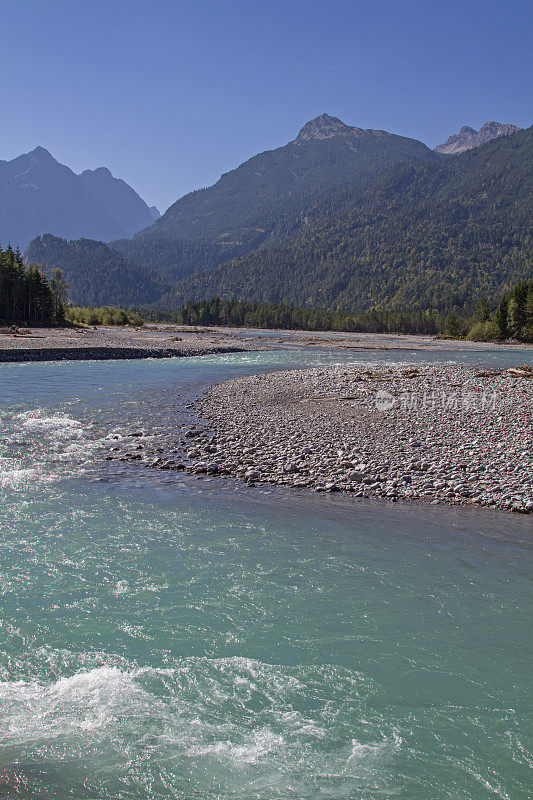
<point x="170" y="94"/>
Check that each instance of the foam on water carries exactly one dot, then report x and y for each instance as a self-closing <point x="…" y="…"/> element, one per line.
<point x="40" y="446"/>
<point x="71" y="706"/>
<point x="231" y="725"/>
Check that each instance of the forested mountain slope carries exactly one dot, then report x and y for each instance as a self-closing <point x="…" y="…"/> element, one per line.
<point x="419" y="235"/>
<point x="267" y="196"/>
<point x="96" y="274"/>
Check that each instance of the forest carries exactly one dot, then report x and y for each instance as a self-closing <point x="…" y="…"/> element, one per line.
<point x="511" y="318"/>
<point x="27" y="294"/>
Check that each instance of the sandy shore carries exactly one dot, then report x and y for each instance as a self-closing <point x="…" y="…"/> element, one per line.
<point x="449" y="434"/>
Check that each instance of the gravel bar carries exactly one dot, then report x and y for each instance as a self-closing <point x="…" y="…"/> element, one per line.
<point x="443" y="434"/>
<point x="117" y="342"/>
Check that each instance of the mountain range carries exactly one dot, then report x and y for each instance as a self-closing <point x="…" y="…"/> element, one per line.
<point x="340" y="217"/>
<point x="40" y="195"/>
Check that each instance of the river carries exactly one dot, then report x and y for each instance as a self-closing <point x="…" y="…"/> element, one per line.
<point x="168" y="637"/>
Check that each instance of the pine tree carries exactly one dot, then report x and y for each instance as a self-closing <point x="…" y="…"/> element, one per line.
<point x="500" y="317"/>
<point x="516" y="311"/>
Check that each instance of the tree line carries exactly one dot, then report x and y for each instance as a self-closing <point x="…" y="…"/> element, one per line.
<point x="239" y="313"/>
<point x="511" y="318"/>
<point x="27" y="294"/>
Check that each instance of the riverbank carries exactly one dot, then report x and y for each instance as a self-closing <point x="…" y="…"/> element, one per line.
<point x="103" y="343"/>
<point x="166" y="341"/>
<point x="444" y="434"/>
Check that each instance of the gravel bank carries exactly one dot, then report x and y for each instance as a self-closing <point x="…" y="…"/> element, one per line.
<point x="81" y="344"/>
<point x="167" y="340"/>
<point x="444" y="434"/>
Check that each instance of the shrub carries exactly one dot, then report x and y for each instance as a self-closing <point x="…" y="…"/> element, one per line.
<point x="106" y="315"/>
<point x="484" y="332"/>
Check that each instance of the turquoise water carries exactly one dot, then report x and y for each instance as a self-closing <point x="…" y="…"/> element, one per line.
<point x="167" y="637"/>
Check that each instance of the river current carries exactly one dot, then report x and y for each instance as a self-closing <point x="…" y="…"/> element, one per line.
<point x="168" y="637"/>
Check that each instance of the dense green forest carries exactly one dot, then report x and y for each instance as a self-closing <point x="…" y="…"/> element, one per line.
<point x="96" y="274"/>
<point x="27" y="295"/>
<point x="419" y="235"/>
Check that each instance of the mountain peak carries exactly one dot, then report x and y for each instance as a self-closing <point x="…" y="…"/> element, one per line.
<point x="102" y="171"/>
<point x="323" y="127"/>
<point x="467" y="138"/>
<point x="41" y="153"/>
<point x="494" y="129"/>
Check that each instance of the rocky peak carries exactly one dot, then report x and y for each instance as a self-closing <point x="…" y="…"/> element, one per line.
<point x="491" y="130"/>
<point x="101" y="171"/>
<point x="467" y="138"/>
<point x="324" y="127"/>
<point x="41" y="154"/>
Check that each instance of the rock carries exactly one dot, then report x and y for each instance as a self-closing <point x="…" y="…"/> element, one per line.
<point x="251" y="475"/>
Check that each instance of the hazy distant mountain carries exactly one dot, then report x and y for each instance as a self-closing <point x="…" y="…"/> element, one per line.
<point x="39" y="195"/>
<point x="467" y="138"/>
<point x="121" y="202"/>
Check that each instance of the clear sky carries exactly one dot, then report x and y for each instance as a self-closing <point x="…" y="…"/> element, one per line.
<point x="169" y="94"/>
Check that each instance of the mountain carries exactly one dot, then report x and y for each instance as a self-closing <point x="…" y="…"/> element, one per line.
<point x="267" y="195"/>
<point x="419" y="235"/>
<point x="39" y="195"/>
<point x="246" y="204"/>
<point x="96" y="275"/>
<point x="255" y="204"/>
<point x="328" y="229"/>
<point x="121" y="202"/>
<point x="467" y="138"/>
